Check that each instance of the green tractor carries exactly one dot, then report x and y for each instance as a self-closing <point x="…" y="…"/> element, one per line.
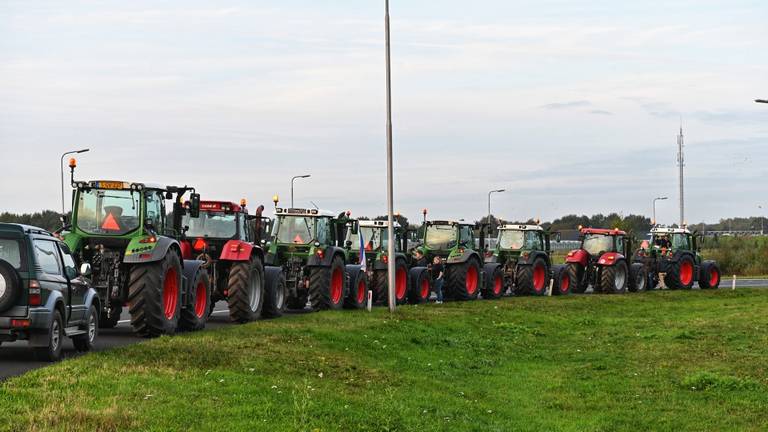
<point x="520" y="261"/>
<point x="410" y="286"/>
<point x="121" y="229"/>
<point x="673" y="255"/>
<point x="454" y="243"/>
<point x="308" y="246"/>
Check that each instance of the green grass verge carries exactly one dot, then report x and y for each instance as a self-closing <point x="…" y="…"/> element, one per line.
<point x="677" y="361"/>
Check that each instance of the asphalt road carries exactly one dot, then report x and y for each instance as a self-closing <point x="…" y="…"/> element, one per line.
<point x="16" y="358"/>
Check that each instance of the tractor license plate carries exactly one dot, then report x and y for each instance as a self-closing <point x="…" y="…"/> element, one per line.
<point x="111" y="185"/>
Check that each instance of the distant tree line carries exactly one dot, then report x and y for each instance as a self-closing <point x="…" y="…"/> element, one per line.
<point x="47" y="219"/>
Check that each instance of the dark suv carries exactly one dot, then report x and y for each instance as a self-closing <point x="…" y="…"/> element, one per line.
<point x="43" y="295"/>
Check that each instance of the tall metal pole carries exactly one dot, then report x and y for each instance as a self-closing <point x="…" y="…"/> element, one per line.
<point x="489" y="212"/>
<point x="294" y="178"/>
<point x="61" y="167"/>
<point x="681" y="165"/>
<point x="654" y="207"/>
<point x="390" y="205"/>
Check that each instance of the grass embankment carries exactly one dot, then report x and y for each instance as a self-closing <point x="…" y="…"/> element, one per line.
<point x="654" y="361"/>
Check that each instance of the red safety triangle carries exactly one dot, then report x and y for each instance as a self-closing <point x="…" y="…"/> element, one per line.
<point x="297" y="239"/>
<point x="110" y="223"/>
<point x="368" y="246"/>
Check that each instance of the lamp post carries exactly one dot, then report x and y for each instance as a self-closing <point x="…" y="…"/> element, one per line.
<point x="762" y="222"/>
<point x="654" y="208"/>
<point x="61" y="167"/>
<point x="294" y="178"/>
<point x="489" y="210"/>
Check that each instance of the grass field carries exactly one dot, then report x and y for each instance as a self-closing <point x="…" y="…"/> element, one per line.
<point x="676" y="361"/>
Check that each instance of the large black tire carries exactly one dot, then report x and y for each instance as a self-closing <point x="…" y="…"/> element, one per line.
<point x="85" y="342"/>
<point x="110" y="321"/>
<point x="380" y="284"/>
<point x="10" y="285"/>
<point x="494" y="282"/>
<point x="154" y="296"/>
<point x="709" y="275"/>
<point x="402" y="285"/>
<point x="245" y="290"/>
<point x="420" y="285"/>
<point x="276" y="293"/>
<point x="52" y="352"/>
<point x="576" y="273"/>
<point x="562" y="282"/>
<point x="463" y="280"/>
<point x="680" y="274"/>
<point x="638" y="278"/>
<point x="357" y="295"/>
<point x="614" y="278"/>
<point x="326" y="286"/>
<point x="195" y="313"/>
<point x="532" y="279"/>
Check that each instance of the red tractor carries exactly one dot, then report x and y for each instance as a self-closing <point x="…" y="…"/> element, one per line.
<point x="603" y="262"/>
<point x="225" y="237"/>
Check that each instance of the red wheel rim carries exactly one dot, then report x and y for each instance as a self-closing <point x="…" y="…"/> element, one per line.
<point x="565" y="284"/>
<point x="361" y="290"/>
<point x="170" y="293"/>
<point x="200" y="299"/>
<point x="471" y="280"/>
<point x="497" y="284"/>
<point x="400" y="283"/>
<point x="714" y="278"/>
<point x="424" y="288"/>
<point x="686" y="272"/>
<point x="337" y="284"/>
<point x="538" y="278"/>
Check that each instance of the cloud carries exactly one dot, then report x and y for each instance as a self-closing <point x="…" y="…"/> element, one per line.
<point x="566" y="105"/>
<point x="600" y="112"/>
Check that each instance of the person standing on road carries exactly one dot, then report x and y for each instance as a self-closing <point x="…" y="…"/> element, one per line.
<point x="437" y="277"/>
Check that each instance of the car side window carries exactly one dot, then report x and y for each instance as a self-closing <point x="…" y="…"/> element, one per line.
<point x="47" y="257"/>
<point x="70" y="268"/>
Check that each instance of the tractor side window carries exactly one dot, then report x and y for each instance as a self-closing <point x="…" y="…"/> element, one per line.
<point x="620" y="244"/>
<point x="533" y="241"/>
<point x="680" y="241"/>
<point x="154" y="210"/>
<point x="323" y="231"/>
<point x="242" y="226"/>
<point x="465" y="236"/>
<point x="47" y="257"/>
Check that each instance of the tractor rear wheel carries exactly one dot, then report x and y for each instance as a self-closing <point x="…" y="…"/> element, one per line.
<point x="275" y="293"/>
<point x="154" y="296"/>
<point x="358" y="288"/>
<point x="638" y="278"/>
<point x="195" y="314"/>
<point x="494" y="283"/>
<point x="576" y="272"/>
<point x="709" y="276"/>
<point x="680" y="274"/>
<point x="381" y="284"/>
<point x="421" y="285"/>
<point x="532" y="279"/>
<point x="245" y="290"/>
<point x="326" y="286"/>
<point x="562" y="284"/>
<point x="613" y="279"/>
<point x="464" y="280"/>
<point x="110" y="321"/>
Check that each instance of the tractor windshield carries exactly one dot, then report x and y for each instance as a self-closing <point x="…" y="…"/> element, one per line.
<point x="374" y="238"/>
<point x="440" y="237"/>
<point x="294" y="229"/>
<point x="510" y="239"/>
<point x="211" y="224"/>
<point x="106" y="211"/>
<point x="597" y="243"/>
<point x="680" y="241"/>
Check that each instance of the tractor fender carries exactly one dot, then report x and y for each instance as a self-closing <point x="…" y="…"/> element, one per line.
<point x="466" y="256"/>
<point x="328" y="254"/>
<point x="578" y="256"/>
<point x="157" y="253"/>
<point x="238" y="250"/>
<point x="610" y="258"/>
<point x="186" y="249"/>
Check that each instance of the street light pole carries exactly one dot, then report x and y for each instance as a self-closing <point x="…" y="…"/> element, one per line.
<point x="489" y="211"/>
<point x="390" y="204"/>
<point x="654" y="208"/>
<point x="294" y="178"/>
<point x="61" y="167"/>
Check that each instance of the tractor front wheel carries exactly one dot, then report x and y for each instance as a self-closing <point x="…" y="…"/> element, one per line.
<point x="421" y="285"/>
<point x="154" y="296"/>
<point x="680" y="274"/>
<point x="195" y="314"/>
<point x="709" y="277"/>
<point x="463" y="280"/>
<point x="276" y="293"/>
<point x="613" y="279"/>
<point x="245" y="290"/>
<point x="563" y="283"/>
<point x="532" y="279"/>
<point x="494" y="284"/>
<point x="326" y="286"/>
<point x="576" y="273"/>
<point x="638" y="278"/>
<point x="358" y="288"/>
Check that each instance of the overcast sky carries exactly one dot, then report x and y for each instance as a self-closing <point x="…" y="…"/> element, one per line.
<point x="572" y="106"/>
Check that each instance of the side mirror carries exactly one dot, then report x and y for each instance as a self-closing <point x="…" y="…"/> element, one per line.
<point x="349" y="244"/>
<point x="169" y="195"/>
<point x="558" y="237"/>
<point x="85" y="269"/>
<point x="355" y="227"/>
<point x="194" y="205"/>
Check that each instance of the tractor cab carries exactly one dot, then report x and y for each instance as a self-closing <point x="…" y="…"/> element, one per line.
<point x="219" y="222"/>
<point x="300" y="233"/>
<point x="516" y="239"/>
<point x="596" y="241"/>
<point x="667" y="240"/>
<point x="371" y="236"/>
<point x="446" y="238"/>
